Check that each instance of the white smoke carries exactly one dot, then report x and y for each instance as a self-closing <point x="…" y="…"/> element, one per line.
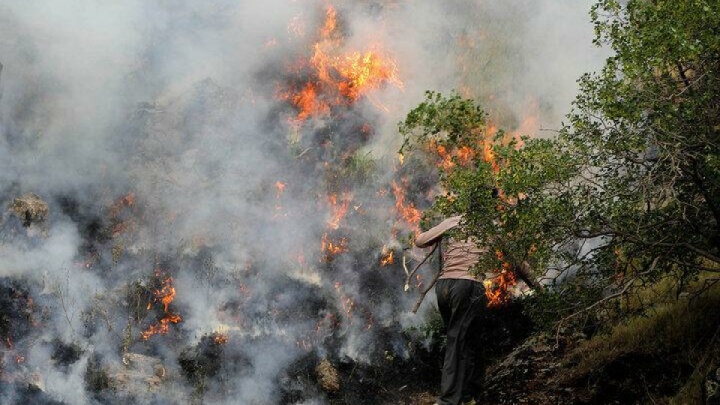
<point x="176" y="102"/>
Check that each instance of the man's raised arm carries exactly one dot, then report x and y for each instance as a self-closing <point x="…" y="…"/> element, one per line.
<point x="434" y="234"/>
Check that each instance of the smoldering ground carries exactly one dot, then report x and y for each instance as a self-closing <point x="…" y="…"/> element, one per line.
<point x="159" y="137"/>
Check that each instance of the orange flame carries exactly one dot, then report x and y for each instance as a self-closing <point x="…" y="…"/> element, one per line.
<point x="346" y="301"/>
<point x="406" y="211"/>
<point x="165" y="295"/>
<point x="331" y="249"/>
<point x="489" y="156"/>
<point x="445" y="157"/>
<point x="330" y="24"/>
<point x="465" y="155"/>
<point x="387" y="256"/>
<point x="220" y="338"/>
<point x="128" y="200"/>
<point x="338" y="210"/>
<point x="363" y="72"/>
<point x="462" y="155"/>
<point x="308" y="103"/>
<point x="340" y="78"/>
<point x="497" y="290"/>
<point x="280" y="186"/>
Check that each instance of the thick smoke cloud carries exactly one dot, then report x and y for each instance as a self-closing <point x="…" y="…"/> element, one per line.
<point x="155" y="133"/>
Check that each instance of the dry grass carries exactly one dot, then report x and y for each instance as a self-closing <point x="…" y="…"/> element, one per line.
<point x="683" y="333"/>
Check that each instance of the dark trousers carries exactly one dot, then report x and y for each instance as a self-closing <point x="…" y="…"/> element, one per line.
<point x="461" y="304"/>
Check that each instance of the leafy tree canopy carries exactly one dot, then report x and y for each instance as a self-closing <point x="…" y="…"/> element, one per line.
<point x="628" y="192"/>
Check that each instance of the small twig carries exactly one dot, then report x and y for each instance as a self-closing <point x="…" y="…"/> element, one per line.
<point x="352" y="371"/>
<point x="303" y="152"/>
<point x="412" y="273"/>
<point x="647" y="389"/>
<point x="424" y="293"/>
<point x="708" y="284"/>
<point x="60" y="293"/>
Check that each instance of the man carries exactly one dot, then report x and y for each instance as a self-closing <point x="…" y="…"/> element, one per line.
<point x="461" y="301"/>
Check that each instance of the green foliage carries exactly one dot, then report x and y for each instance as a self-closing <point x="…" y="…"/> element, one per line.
<point x="528" y="177"/>
<point x="360" y="168"/>
<point x="433" y="331"/>
<point x="447" y="120"/>
<point x="628" y="193"/>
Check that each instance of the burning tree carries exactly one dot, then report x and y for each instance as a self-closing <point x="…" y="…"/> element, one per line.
<point x="627" y="194"/>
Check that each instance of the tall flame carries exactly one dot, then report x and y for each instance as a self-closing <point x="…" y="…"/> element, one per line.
<point x="387" y="256"/>
<point x="497" y="290"/>
<point x="339" y="77"/>
<point x="280" y="189"/>
<point x="406" y="210"/>
<point x="489" y="156"/>
<point x="165" y="295"/>
<point x="280" y="186"/>
<point x="338" y="210"/>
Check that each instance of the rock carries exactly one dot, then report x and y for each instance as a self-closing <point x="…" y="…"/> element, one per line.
<point x="328" y="376"/>
<point x="29" y="209"/>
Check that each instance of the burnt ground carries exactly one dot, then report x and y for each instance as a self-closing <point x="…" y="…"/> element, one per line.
<point x="397" y="382"/>
<point x="676" y="361"/>
<point x="415" y="380"/>
<point x="523" y="367"/>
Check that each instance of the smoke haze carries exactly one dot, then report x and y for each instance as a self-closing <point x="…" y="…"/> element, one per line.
<point x="158" y="135"/>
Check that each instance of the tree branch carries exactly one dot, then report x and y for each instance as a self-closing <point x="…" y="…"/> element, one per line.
<point x="412" y="273"/>
<point x="701" y="252"/>
<point x="625" y="288"/>
<point x="424" y="293"/>
<point x="697" y="266"/>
